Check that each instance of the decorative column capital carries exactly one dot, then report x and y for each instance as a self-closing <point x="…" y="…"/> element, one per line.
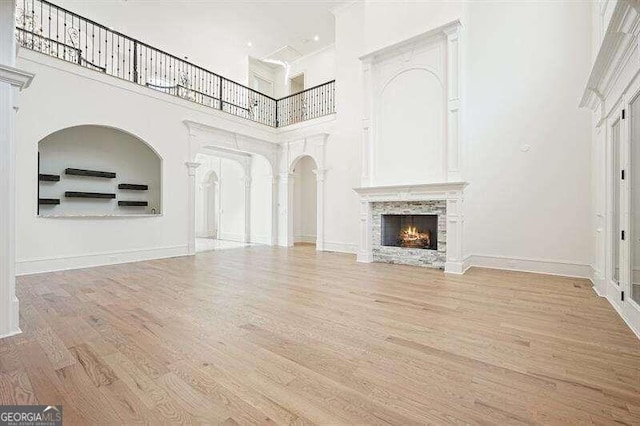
<point x="285" y="177"/>
<point x="192" y="166"/>
<point x="320" y="174"/>
<point x="15" y="77"/>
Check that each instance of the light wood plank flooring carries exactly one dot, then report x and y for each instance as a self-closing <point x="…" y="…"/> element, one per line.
<point x="263" y="335"/>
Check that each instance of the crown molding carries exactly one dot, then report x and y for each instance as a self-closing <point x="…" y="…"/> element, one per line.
<point x="15" y="77"/>
<point x="619" y="41"/>
<point x="445" y="30"/>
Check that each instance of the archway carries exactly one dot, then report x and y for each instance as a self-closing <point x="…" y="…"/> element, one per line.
<point x="305" y="203"/>
<point x="221" y="204"/>
<point x="208" y="207"/>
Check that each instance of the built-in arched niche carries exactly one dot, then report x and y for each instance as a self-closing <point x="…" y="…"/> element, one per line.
<point x="97" y="171"/>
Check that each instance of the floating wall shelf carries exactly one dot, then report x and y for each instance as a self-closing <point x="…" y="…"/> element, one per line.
<point x="133" y="187"/>
<point x="91" y="173"/>
<point x="49" y="201"/>
<point x="48" y="178"/>
<point x="133" y="203"/>
<point x="70" y="194"/>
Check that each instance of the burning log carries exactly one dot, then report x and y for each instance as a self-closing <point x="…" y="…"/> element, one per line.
<point x="413" y="238"/>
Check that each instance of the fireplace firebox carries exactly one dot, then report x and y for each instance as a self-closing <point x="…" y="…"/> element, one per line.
<point x="417" y="231"/>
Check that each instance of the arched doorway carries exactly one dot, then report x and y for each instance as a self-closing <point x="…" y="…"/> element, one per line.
<point x="210" y="207"/>
<point x="303" y="226"/>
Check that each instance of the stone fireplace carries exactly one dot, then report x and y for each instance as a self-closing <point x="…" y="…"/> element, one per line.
<point x="418" y="225"/>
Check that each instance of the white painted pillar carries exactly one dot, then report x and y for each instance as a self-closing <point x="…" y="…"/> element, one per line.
<point x="364" y="254"/>
<point x="247" y="209"/>
<point x="191" y="200"/>
<point x="11" y="81"/>
<point x="285" y="228"/>
<point x="320" y="174"/>
<point x="274" y="210"/>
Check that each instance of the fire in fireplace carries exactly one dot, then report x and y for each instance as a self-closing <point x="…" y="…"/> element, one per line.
<point x="419" y="231"/>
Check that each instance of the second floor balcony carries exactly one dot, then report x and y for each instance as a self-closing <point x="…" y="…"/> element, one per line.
<point x="54" y="31"/>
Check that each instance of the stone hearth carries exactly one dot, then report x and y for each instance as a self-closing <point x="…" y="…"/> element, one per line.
<point x="403" y="255"/>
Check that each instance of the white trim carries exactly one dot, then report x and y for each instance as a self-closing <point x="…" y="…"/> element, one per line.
<point x="311" y="239"/>
<point x="260" y="239"/>
<point x="451" y="192"/>
<point x="432" y="191"/>
<point x="63" y="263"/>
<point x="340" y="247"/>
<point x="618" y="42"/>
<point x="448" y="28"/>
<point x="15" y="77"/>
<point x="12" y="333"/>
<point x="230" y="236"/>
<point x="538" y="266"/>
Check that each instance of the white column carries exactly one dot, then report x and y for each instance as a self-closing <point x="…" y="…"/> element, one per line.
<point x="454" y="149"/>
<point x="275" y="209"/>
<point x="285" y="227"/>
<point x="364" y="247"/>
<point x="367" y="142"/>
<point x="247" y="209"/>
<point x="11" y="81"/>
<point x="320" y="175"/>
<point x="191" y="200"/>
<point x="455" y="227"/>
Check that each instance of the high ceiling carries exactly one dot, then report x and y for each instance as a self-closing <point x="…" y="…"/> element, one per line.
<point x="197" y="28"/>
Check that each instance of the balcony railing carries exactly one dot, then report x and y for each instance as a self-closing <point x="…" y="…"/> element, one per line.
<point x="55" y="31"/>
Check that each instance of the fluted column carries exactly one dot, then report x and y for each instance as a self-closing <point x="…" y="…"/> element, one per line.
<point x="191" y="200"/>
<point x="12" y="80"/>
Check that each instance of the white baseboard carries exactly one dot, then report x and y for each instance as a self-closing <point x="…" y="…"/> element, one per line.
<point x="455" y="268"/>
<point x="305" y="239"/>
<point x="61" y="263"/>
<point x="12" y="333"/>
<point x="228" y="236"/>
<point x="549" y="267"/>
<point x="597" y="279"/>
<point x="340" y="247"/>
<point x="261" y="239"/>
<point x="12" y="327"/>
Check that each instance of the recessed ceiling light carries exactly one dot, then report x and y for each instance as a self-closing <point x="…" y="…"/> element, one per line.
<point x="249" y="44"/>
<point x="316" y="37"/>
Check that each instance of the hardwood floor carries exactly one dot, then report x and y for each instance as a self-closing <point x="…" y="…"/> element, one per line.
<point x="264" y="335"/>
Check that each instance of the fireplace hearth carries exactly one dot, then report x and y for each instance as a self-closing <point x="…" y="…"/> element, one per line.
<point x="417" y="231"/>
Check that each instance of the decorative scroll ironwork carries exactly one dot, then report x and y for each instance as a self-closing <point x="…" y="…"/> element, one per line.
<point x="55" y="31"/>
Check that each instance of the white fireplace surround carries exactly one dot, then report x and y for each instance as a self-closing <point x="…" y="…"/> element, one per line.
<point x="451" y="192"/>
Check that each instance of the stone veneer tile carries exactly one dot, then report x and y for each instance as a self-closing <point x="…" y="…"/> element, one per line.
<point x="409" y="256"/>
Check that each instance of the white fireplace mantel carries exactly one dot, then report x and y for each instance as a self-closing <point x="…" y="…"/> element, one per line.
<point x="451" y="192"/>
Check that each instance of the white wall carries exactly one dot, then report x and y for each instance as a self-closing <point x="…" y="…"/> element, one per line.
<point x="232" y="226"/>
<point x="304" y="201"/>
<point x="527" y="145"/>
<point x="102" y="149"/>
<point x="317" y="67"/>
<point x="66" y="95"/>
<point x="264" y="72"/>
